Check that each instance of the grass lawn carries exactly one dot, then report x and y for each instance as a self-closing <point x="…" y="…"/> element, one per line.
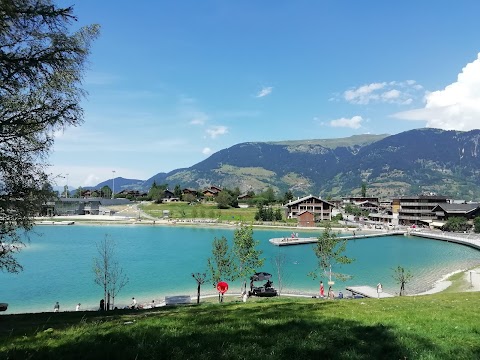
<point x="442" y="326"/>
<point x="181" y="210"/>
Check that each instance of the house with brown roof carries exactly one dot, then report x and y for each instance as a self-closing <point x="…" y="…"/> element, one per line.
<point x="306" y="218"/>
<point x="321" y="209"/>
<point x="212" y="191"/>
<point x="445" y="211"/>
<point x="243" y="197"/>
<point x="189" y="191"/>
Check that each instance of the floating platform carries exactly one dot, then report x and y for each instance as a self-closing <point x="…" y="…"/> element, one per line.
<point x="286" y="241"/>
<point x="367" y="291"/>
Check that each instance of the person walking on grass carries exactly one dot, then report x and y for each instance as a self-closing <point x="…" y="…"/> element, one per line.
<point x="322" y="290"/>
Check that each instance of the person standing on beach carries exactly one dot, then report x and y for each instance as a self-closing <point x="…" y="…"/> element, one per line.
<point x="322" y="290"/>
<point x="77" y="308"/>
<point x="56" y="307"/>
<point x="379" y="289"/>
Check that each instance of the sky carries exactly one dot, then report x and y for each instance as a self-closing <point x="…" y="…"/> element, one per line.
<point x="171" y="82"/>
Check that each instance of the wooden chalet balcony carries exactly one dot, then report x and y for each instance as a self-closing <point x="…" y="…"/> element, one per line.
<point x="415" y="211"/>
<point x="418" y="204"/>
<point x="406" y="217"/>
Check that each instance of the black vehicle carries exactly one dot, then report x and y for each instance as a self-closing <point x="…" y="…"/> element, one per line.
<point x="265" y="290"/>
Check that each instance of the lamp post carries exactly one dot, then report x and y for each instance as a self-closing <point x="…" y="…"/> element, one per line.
<point x="113" y="187"/>
<point x="330" y="282"/>
<point x="66" y="187"/>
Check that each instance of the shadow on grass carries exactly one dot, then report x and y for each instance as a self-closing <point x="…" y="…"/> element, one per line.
<point x="231" y="331"/>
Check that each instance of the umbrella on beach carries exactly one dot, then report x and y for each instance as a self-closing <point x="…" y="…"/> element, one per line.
<point x="261" y="276"/>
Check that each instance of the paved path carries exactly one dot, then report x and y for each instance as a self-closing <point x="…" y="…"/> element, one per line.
<point x="472" y="240"/>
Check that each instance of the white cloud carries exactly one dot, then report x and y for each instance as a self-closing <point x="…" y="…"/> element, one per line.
<point x="266" y="90"/>
<point x="206" y="151"/>
<point x="457" y="107"/>
<point x="354" y="123"/>
<point x="393" y="92"/>
<point x="364" y="94"/>
<point x="199" y="118"/>
<point x="215" y="131"/>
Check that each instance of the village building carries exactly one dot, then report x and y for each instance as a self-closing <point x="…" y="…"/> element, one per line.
<point x="306" y="219"/>
<point x="417" y="209"/>
<point x="80" y="206"/>
<point x="212" y="191"/>
<point x="189" y="191"/>
<point x="244" y="197"/>
<point x="321" y="209"/>
<point x="443" y="212"/>
<point x="368" y="206"/>
<point x="355" y="200"/>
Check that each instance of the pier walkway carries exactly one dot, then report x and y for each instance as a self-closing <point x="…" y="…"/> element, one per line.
<point x="287" y="241"/>
<point x="472" y="240"/>
<point x="367" y="291"/>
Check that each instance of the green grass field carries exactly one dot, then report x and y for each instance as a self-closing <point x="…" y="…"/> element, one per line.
<point x="442" y="326"/>
<point x="181" y="210"/>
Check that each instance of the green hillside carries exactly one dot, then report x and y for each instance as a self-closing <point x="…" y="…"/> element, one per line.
<point x="445" y="326"/>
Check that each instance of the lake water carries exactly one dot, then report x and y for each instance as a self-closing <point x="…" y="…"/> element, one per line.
<point x="159" y="261"/>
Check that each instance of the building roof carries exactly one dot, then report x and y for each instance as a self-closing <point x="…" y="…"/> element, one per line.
<point x="457" y="208"/>
<point x="424" y="197"/>
<point x="366" y="202"/>
<point x="306" y="198"/>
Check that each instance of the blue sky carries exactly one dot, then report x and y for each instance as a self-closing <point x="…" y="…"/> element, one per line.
<point x="171" y="82"/>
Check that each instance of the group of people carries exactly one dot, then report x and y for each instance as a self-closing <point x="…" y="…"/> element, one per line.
<point x="56" y="307"/>
<point x="331" y="294"/>
<point x="133" y="305"/>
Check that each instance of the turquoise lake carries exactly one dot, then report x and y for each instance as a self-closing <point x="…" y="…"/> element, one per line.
<point x="159" y="261"/>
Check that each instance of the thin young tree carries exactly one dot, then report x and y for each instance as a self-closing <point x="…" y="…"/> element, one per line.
<point x="108" y="273"/>
<point x="118" y="280"/>
<point x="279" y="262"/>
<point x="41" y="68"/>
<point x="246" y="255"/>
<point x="401" y="277"/>
<point x="200" y="279"/>
<point x="220" y="265"/>
<point x="329" y="251"/>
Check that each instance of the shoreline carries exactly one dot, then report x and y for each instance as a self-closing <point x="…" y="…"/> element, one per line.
<point x="144" y="299"/>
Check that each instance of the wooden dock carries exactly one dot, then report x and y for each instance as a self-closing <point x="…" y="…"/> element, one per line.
<point x="287" y="241"/>
<point x="367" y="291"/>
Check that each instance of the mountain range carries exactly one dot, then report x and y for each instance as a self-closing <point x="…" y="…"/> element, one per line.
<point x="408" y="163"/>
